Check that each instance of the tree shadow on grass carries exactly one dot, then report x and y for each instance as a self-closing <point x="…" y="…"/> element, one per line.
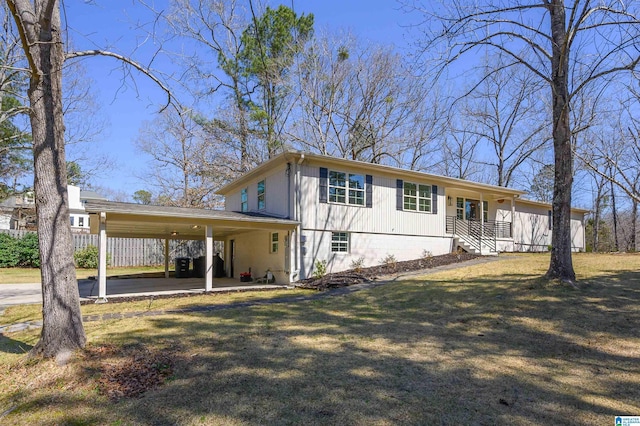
<point x="11" y="346"/>
<point x="416" y="352"/>
<point x="512" y="350"/>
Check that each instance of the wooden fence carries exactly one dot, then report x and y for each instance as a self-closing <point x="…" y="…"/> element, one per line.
<point x="136" y="251"/>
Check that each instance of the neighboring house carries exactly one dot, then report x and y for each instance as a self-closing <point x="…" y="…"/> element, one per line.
<point x="18" y="212"/>
<point x="78" y="217"/>
<point x="350" y="211"/>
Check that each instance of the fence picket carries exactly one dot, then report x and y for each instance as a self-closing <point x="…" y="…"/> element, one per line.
<point x="134" y="251"/>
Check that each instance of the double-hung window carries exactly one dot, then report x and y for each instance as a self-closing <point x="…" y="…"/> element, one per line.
<point x="485" y="211"/>
<point x="339" y="242"/>
<point x="244" y="200"/>
<point x="460" y="208"/>
<point x="274" y="242"/>
<point x="346" y="188"/>
<point x="261" y="196"/>
<point x="417" y="197"/>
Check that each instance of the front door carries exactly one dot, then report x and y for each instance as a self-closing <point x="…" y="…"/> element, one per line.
<point x="472" y="210"/>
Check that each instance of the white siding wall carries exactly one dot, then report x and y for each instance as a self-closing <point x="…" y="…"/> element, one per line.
<point x="276" y="196"/>
<point x="531" y="229"/>
<point x="577" y="231"/>
<point x="253" y="251"/>
<point x="5" y="220"/>
<point x="381" y="218"/>
<point x="371" y="247"/>
<point x="74" y="198"/>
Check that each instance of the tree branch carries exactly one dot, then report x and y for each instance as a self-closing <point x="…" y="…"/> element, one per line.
<point x="170" y="98"/>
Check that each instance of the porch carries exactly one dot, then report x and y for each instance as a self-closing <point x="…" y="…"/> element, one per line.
<point x="481" y="222"/>
<point x="478" y="236"/>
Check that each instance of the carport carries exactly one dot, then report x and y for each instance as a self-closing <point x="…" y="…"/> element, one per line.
<point x="127" y="220"/>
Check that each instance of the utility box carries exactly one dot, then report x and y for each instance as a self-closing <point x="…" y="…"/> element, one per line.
<point x="182" y="267"/>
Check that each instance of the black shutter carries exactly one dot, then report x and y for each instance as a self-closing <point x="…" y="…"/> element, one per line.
<point x="434" y="199"/>
<point x="368" y="190"/>
<point x="324" y="177"/>
<point x="399" y="194"/>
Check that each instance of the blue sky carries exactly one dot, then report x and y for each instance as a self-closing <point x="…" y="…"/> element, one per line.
<point x="112" y="25"/>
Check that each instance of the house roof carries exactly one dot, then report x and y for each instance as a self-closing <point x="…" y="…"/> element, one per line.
<point x="149" y="221"/>
<point x="296" y="156"/>
<point x="90" y="195"/>
<point x="548" y="205"/>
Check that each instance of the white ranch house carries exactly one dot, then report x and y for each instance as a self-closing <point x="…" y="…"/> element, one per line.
<point x="299" y="208"/>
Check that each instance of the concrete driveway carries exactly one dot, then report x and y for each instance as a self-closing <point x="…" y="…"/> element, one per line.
<point x="21" y="294"/>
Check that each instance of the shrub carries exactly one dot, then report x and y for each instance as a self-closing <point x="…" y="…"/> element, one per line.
<point x="28" y="251"/>
<point x="320" y="269"/>
<point x="88" y="257"/>
<point x="357" y="264"/>
<point x="9" y="256"/>
<point x="389" y="260"/>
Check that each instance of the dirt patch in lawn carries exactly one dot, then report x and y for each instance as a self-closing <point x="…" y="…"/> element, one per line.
<point x="359" y="275"/>
<point x="129" y="371"/>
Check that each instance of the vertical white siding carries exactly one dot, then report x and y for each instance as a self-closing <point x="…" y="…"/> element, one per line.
<point x="382" y="217"/>
<point x="276" y="194"/>
<point x="531" y="229"/>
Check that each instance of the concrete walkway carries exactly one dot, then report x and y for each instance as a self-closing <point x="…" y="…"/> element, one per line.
<point x="280" y="300"/>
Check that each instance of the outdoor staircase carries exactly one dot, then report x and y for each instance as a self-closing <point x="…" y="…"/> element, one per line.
<point x="473" y="236"/>
<point x="467" y="244"/>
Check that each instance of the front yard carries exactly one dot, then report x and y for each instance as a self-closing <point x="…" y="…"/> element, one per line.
<point x="483" y="344"/>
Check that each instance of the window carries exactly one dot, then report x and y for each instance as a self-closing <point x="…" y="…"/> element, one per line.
<point x="346" y="188"/>
<point x="244" y="204"/>
<point x="339" y="242"/>
<point x="274" y="243"/>
<point x="550" y="218"/>
<point x="71" y="219"/>
<point x="261" y="198"/>
<point x="485" y="211"/>
<point x="81" y="221"/>
<point x="417" y="197"/>
<point x="460" y="208"/>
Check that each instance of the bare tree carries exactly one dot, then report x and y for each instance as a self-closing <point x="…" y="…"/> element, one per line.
<point x="38" y="23"/>
<point x="459" y="151"/>
<point x="547" y="38"/>
<point x="509" y="117"/>
<point x="181" y="160"/>
<point x="365" y="103"/>
<point x="217" y="28"/>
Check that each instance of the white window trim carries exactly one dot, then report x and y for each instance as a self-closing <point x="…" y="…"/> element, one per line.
<point x="263" y="193"/>
<point x="347" y="188"/>
<point x="244" y="204"/>
<point x="274" y="244"/>
<point x="346" y="244"/>
<point x="417" y="197"/>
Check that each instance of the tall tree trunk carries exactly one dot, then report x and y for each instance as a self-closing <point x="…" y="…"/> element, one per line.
<point x="615" y="216"/>
<point x="596" y="223"/>
<point x="39" y="26"/>
<point x="634" y="225"/>
<point x="561" y="264"/>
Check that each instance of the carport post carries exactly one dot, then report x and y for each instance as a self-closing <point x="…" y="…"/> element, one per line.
<point x="166" y="258"/>
<point x="209" y="259"/>
<point x="102" y="259"/>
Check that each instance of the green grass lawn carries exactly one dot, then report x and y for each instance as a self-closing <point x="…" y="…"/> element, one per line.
<point x="484" y="344"/>
<point x="32" y="275"/>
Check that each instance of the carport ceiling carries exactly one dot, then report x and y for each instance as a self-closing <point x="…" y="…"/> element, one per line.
<point x="145" y="221"/>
